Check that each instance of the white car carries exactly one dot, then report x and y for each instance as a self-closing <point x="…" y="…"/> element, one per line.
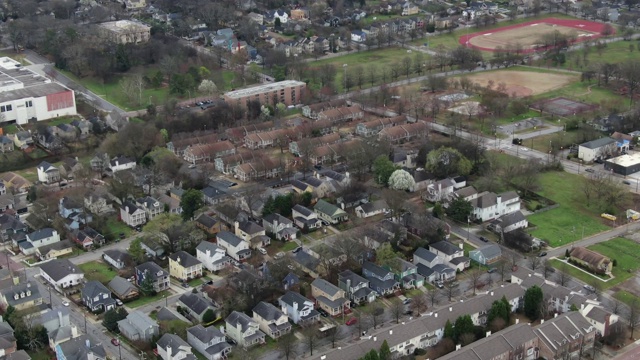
<point x="262" y="251"/>
<point x="65" y="303"/>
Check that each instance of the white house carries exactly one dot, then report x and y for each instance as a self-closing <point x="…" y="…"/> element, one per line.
<point x="132" y="215"/>
<point x="305" y="217"/>
<point x="235" y="246"/>
<point x="172" y="347"/>
<point x="509" y="222"/>
<point x="372" y="209"/>
<point x="212" y="256"/>
<point x="452" y="255"/>
<point x="61" y="274"/>
<point x="487" y="254"/>
<point x="440" y="191"/>
<point x="209" y="341"/>
<point x="243" y="329"/>
<point x="278" y="14"/>
<point x="426" y="258"/>
<point x="358" y="36"/>
<point x="489" y="206"/>
<point x="48" y="173"/>
<point x="27" y="95"/>
<point x="280" y="226"/>
<point x="298" y="308"/>
<point x="596" y="149"/>
<point x="116" y="258"/>
<point x="151" y="206"/>
<point x="121" y="163"/>
<point x="36" y="239"/>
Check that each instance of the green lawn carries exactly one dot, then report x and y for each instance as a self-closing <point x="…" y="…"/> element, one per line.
<point x="143" y="300"/>
<point x="289" y="245"/>
<point x="380" y="58"/>
<point x="626" y="297"/>
<point x="567" y="222"/>
<point x="97" y="270"/>
<point x="370" y="19"/>
<point x="117" y="227"/>
<point x="627" y="255"/>
<point x="614" y="53"/>
<point x="197" y="282"/>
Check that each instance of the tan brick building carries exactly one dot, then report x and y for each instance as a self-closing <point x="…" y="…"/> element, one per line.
<point x="288" y="92"/>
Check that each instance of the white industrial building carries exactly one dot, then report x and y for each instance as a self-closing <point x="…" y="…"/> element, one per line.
<point x="25" y="95"/>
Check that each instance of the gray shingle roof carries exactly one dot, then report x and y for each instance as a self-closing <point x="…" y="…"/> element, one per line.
<point x="598" y="143"/>
<point x="152" y="268"/>
<point x="375" y="269"/>
<point x="196" y="303"/>
<point x="77" y="349"/>
<point x="488" y="251"/>
<point x="206" y="221"/>
<point x="291" y="297"/>
<point x="64" y="244"/>
<point x="121" y="287"/>
<point x="250" y="227"/>
<point x="21" y="290"/>
<point x="267" y="311"/>
<point x="174" y="341"/>
<point x="353" y="277"/>
<point x="185" y="259"/>
<point x="41" y="234"/>
<point x="59" y="268"/>
<point x="302" y="210"/>
<point x="238" y="318"/>
<point x="271" y="218"/>
<point x="424" y="254"/>
<point x="117" y="255"/>
<point x="445" y="247"/>
<point x="203" y="334"/>
<point x="229" y="238"/>
<point x="325" y="286"/>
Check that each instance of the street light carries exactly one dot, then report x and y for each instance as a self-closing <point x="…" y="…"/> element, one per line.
<point x="579" y="163"/>
<point x="119" y="347"/>
<point x="468" y="227"/>
<point x="344" y="66"/>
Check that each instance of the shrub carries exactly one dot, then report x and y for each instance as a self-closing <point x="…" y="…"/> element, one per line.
<point x="614" y="262"/>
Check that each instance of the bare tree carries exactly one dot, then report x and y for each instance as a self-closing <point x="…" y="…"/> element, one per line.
<point x="287" y="346"/>
<point x="397" y="309"/>
<point x="451" y="288"/>
<point x="562" y="276"/>
<point x="419" y="303"/>
<point x="633" y="316"/>
<point x="433" y="295"/>
<point x="534" y="262"/>
<point x="474" y="276"/>
<point x="334" y="334"/>
<point x="503" y="268"/>
<point x="547" y="269"/>
<point x="310" y="337"/>
<point x="376" y="313"/>
<point x="615" y="307"/>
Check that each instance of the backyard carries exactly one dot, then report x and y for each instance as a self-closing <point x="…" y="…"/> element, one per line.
<point x="144" y="300"/>
<point x="97" y="270"/>
<point x="571" y="220"/>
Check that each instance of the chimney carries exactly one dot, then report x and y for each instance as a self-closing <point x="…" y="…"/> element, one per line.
<point x="450" y="309"/>
<point x="517" y="321"/>
<point x="488" y="333"/>
<point x="60" y="318"/>
<point x="492" y="293"/>
<point x="529" y="275"/>
<point x="541" y="321"/>
<point x="435" y="315"/>
<point x="169" y="352"/>
<point x="555" y="315"/>
<point x="458" y="347"/>
<point x="295" y="305"/>
<point x="581" y="307"/>
<point x="348" y="284"/>
<point x="390" y="332"/>
<point x="222" y="328"/>
<point x="461" y="246"/>
<point x="87" y="343"/>
<point x="375" y="338"/>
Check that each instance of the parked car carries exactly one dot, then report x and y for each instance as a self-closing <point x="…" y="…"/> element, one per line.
<point x="491" y="270"/>
<point x="262" y="251"/>
<point x="484" y="239"/>
<point x="626" y="182"/>
<point x="590" y="288"/>
<point x="115" y="342"/>
<point x="542" y="254"/>
<point x="323" y="312"/>
<point x="439" y="284"/>
<point x="184" y="285"/>
<point x="65" y="303"/>
<point x="406" y="301"/>
<point x="408" y="312"/>
<point x="279" y="255"/>
<point x="351" y="321"/>
<point x="119" y="302"/>
<point x="589" y="170"/>
<point x="297" y="250"/>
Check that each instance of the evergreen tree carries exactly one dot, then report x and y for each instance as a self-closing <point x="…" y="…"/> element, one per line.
<point x="146" y="286"/>
<point x="533" y="302"/>
<point x="448" y="330"/>
<point x="385" y="352"/>
<point x="464" y="325"/>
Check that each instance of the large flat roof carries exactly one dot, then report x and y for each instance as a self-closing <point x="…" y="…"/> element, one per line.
<point x="13" y="75"/>
<point x="626" y="160"/>
<point x="264" y="88"/>
<point x="33" y="91"/>
<point x="123" y="26"/>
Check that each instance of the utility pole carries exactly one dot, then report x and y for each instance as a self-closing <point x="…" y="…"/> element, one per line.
<point x="119" y="347"/>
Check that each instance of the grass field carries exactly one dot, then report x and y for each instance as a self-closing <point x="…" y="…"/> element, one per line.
<point x="380" y="58"/>
<point x="97" y="270"/>
<point x="118" y="227"/>
<point x="613" y="53"/>
<point x="626" y="297"/>
<point x="143" y="300"/>
<point x="571" y="219"/>
<point x="627" y="255"/>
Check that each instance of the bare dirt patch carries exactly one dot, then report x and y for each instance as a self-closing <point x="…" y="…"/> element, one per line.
<point x="527" y="36"/>
<point x="523" y="83"/>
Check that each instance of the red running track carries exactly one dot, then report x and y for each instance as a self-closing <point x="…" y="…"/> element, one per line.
<point x="591" y="26"/>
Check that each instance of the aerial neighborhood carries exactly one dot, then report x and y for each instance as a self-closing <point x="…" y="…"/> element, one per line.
<point x="374" y="180"/>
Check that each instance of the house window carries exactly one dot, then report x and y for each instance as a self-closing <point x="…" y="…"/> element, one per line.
<point x="5" y="108"/>
<point x="28" y="103"/>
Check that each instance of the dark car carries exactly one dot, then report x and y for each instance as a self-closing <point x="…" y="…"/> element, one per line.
<point x="231" y="341"/>
<point x="626" y="182"/>
<point x="589" y="170"/>
<point x="408" y="312"/>
<point x="491" y="270"/>
<point x="323" y="312"/>
<point x="296" y="250"/>
<point x="115" y="342"/>
<point x="484" y="239"/>
<point x="121" y="235"/>
<point x="542" y="254"/>
<point x="185" y="285"/>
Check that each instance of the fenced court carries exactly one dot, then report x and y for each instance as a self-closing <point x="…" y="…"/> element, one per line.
<point x="528" y="35"/>
<point x="561" y="106"/>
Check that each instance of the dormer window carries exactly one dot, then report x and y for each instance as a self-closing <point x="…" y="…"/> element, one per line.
<point x="28" y="292"/>
<point x="21" y="295"/>
<point x="16" y="297"/>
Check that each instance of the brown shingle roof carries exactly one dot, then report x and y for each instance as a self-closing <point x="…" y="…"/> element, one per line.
<point x="588" y="256"/>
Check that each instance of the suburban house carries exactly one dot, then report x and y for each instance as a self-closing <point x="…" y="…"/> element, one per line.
<point x="132" y="215"/>
<point x="341" y="114"/>
<point x="248" y="230"/>
<point x="213" y="195"/>
<point x="290" y="280"/>
<point x="312" y="111"/>
<point x="329" y="297"/>
<point x="207" y="223"/>
<point x="213" y="257"/>
<point x="52" y="251"/>
<point x="402" y="133"/>
<point x="61" y="274"/>
<point x="123" y="289"/>
<point x="117" y="258"/>
<point x="329" y="213"/>
<point x="138" y="326"/>
<point x="159" y="276"/>
<point x="236" y="248"/>
<point x="83" y="347"/>
<point x="58" y="324"/>
<point x="426" y="258"/>
<point x="487" y="254"/>
<point x="509" y="222"/>
<point x="372" y="209"/>
<point x="279" y="226"/>
<point x="565" y="336"/>
<point x="21" y="296"/>
<point x="197" y="305"/>
<point x="97" y="297"/>
<point x="184" y="266"/>
<point x="121" y="163"/>
<point x="97" y="204"/>
<point x="87" y="237"/>
<point x="373" y="127"/>
<point x="243" y="329"/>
<point x="264" y="168"/>
<point x="488" y="206"/>
<point x="467" y="193"/>
<point x="271" y="320"/>
<point x="452" y="255"/>
<point x="206" y="152"/>
<point x="598" y="149"/>
<point x="408" y="9"/>
<point x="209" y="341"/>
<point x="172" y="347"/>
<point x="150" y="206"/>
<point x="48" y="173"/>
<point x="307" y="144"/>
<point x="407" y="275"/>
<point x="305" y="218"/>
<point x="597" y="262"/>
<point x="356" y="287"/>
<point x="298" y="308"/>
<point x="600" y="318"/>
<point x="380" y="279"/>
<point x="440" y="191"/>
<point x="6" y="144"/>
